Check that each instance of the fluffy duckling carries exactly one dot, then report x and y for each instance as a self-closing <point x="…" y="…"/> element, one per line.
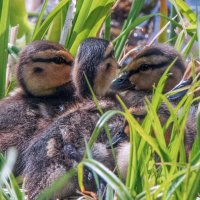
<point x="62" y="144"/>
<point x="123" y="150"/>
<point x="43" y="73"/>
<point x="146" y="69"/>
<point x="92" y="53"/>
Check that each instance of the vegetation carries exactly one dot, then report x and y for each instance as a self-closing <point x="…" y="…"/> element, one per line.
<point x="168" y="175"/>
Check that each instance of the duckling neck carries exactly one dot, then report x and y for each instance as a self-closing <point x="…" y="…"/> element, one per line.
<point x="62" y="93"/>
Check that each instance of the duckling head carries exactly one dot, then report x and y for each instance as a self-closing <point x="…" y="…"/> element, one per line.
<point x="95" y="59"/>
<point x="147" y="68"/>
<point x="43" y="68"/>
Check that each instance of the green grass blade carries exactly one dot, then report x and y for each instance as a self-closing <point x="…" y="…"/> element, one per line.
<point x="55" y="28"/>
<point x="133" y="14"/>
<point x="196" y="145"/>
<point x="4" y="33"/>
<point x="40" y="32"/>
<point x="194" y="186"/>
<point x="15" y="188"/>
<point x="107" y="28"/>
<point x="109" y="193"/>
<point x="198" y="34"/>
<point x="49" y="192"/>
<point x="7" y="181"/>
<point x="40" y="17"/>
<point x="135" y="23"/>
<point x="109" y="177"/>
<point x="179" y="41"/>
<point x="97" y="15"/>
<point x="186" y="51"/>
<point x="186" y="11"/>
<point x="179" y="15"/>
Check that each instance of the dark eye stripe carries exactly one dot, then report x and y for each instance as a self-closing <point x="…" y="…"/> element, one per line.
<point x="57" y="60"/>
<point x="130" y="73"/>
<point x="152" y="66"/>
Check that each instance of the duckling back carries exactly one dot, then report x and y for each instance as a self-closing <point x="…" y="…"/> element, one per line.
<point x="28" y="111"/>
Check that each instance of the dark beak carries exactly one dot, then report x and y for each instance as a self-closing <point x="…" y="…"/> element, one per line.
<point x="122" y="83"/>
<point x="121" y="135"/>
<point x="180" y="94"/>
<point x="117" y="139"/>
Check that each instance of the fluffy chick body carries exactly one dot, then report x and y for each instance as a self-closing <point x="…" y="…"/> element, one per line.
<point x="28" y="111"/>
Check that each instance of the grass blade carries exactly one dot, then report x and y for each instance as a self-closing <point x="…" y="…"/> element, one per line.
<point x="40" y="17"/>
<point x="109" y="177"/>
<point x="4" y="32"/>
<point x="40" y="32"/>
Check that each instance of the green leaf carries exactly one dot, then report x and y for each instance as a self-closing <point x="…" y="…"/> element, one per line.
<point x="57" y="185"/>
<point x="89" y="25"/>
<point x="109" y="177"/>
<point x="19" y="16"/>
<point x="132" y="16"/>
<point x="41" y="31"/>
<point x="135" y="23"/>
<point x="186" y="11"/>
<point x="179" y="41"/>
<point x="196" y="145"/>
<point x="4" y="33"/>
<point x="186" y="51"/>
<point x="40" y="17"/>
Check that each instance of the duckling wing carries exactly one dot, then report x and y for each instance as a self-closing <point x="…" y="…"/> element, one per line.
<point x="49" y="156"/>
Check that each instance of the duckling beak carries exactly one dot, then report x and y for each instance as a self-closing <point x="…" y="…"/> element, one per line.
<point x="121" y="83"/>
<point x="180" y="94"/>
<point x="116" y="139"/>
<point x="123" y="133"/>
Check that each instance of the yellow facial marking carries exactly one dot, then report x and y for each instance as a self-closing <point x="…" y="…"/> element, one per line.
<point x="108" y="49"/>
<point x="106" y="73"/>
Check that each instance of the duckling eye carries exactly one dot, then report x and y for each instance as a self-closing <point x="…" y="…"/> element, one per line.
<point x="38" y="70"/>
<point x="144" y="67"/>
<point x="108" y="65"/>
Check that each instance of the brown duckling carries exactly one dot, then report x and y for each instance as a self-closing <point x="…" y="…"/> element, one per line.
<point x="123" y="150"/>
<point x="43" y="73"/>
<point x="62" y="144"/>
<point x="137" y="83"/>
<point x="84" y="114"/>
<point x="145" y="71"/>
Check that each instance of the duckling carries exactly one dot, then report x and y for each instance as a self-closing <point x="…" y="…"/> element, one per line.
<point x="43" y="73"/>
<point x="123" y="149"/>
<point x="148" y="66"/>
<point x="143" y="73"/>
<point x="85" y="114"/>
<point x="61" y="146"/>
